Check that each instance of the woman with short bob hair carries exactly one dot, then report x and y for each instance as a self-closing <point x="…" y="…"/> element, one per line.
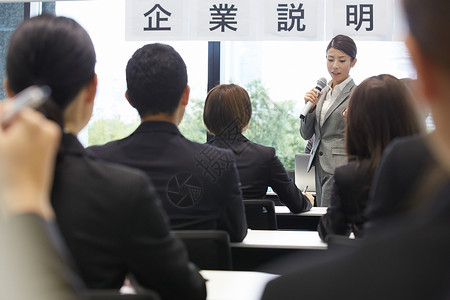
<point x="227" y="115"/>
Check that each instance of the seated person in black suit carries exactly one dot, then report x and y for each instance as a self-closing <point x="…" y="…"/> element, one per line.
<point x="380" y="110"/>
<point x="408" y="257"/>
<point x="227" y="115"/>
<point x="32" y="268"/>
<point x="198" y="184"/>
<point x="109" y="215"/>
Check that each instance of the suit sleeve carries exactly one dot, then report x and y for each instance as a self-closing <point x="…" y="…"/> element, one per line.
<point x="334" y="221"/>
<point x="159" y="260"/>
<point x="307" y="125"/>
<point x="285" y="188"/>
<point x="32" y="268"/>
<point x="233" y="219"/>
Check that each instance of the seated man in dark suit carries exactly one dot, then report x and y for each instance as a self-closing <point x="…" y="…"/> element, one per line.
<point x="406" y="257"/>
<point x="198" y="184"/>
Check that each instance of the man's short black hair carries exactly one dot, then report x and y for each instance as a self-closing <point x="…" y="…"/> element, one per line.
<point x="156" y="79"/>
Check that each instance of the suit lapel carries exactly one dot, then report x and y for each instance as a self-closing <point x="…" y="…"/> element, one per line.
<point x="341" y="98"/>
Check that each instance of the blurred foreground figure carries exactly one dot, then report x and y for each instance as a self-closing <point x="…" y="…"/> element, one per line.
<point x="31" y="267"/>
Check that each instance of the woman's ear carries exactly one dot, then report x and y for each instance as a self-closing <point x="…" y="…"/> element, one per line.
<point x="353" y="62"/>
<point x="91" y="89"/>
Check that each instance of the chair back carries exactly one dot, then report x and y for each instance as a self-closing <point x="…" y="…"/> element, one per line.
<point x="208" y="249"/>
<point x="260" y="214"/>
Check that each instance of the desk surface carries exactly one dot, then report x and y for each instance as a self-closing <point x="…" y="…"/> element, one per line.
<point x="314" y="212"/>
<point x="235" y="285"/>
<point x="282" y="239"/>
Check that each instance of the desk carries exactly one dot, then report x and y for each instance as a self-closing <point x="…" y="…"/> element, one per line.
<point x="305" y="220"/>
<point x="282" y="239"/>
<point x="261" y="246"/>
<point x="314" y="212"/>
<point x="235" y="285"/>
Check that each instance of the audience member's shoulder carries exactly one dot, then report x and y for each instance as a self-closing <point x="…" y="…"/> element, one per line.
<point x="414" y="144"/>
<point x="263" y="149"/>
<point x="208" y="148"/>
<point x="263" y="153"/>
<point x="102" y="150"/>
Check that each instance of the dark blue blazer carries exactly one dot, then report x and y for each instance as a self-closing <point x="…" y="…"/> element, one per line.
<point x="198" y="184"/>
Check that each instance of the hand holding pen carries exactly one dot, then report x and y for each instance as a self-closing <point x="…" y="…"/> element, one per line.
<point x="33" y="97"/>
<point x="308" y="195"/>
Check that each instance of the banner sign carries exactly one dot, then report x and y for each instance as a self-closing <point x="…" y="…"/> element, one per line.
<point x="217" y="20"/>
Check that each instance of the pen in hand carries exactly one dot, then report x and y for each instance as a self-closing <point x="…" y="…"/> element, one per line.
<point x="33" y="96"/>
<point x="305" y="189"/>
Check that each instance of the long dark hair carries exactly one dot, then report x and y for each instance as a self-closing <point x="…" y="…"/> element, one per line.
<point x="52" y="51"/>
<point x="380" y="109"/>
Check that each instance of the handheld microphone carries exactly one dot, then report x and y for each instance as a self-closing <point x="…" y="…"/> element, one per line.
<point x="321" y="83"/>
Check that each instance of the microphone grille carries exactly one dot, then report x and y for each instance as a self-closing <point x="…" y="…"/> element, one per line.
<point x="322" y="82"/>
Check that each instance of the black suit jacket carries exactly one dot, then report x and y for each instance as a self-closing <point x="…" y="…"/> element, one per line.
<point x="348" y="200"/>
<point x="401" y="177"/>
<point x="259" y="167"/>
<point x="407" y="259"/>
<point x="111" y="220"/>
<point x="198" y="184"/>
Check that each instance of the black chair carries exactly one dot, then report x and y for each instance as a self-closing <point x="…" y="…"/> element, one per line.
<point x="208" y="249"/>
<point x="260" y="214"/>
<point x="115" y="295"/>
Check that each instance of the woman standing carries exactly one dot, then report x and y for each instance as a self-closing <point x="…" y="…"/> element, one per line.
<point x="326" y="119"/>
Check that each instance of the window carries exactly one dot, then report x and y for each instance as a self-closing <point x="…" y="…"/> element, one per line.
<point x="113" y="117"/>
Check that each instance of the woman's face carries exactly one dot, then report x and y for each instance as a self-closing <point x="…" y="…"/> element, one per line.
<point x="339" y="65"/>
